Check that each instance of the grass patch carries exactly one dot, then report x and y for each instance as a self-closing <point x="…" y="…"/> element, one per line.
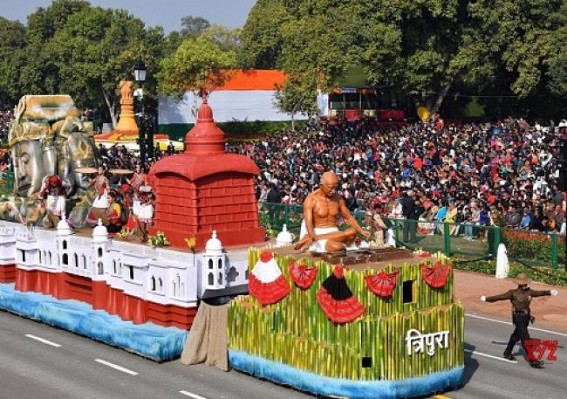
<point x="542" y="274"/>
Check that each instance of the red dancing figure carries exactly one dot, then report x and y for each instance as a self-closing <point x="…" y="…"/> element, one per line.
<point x="54" y="192"/>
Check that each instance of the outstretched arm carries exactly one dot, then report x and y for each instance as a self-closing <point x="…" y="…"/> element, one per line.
<point x="495" y="298"/>
<point x="535" y="293"/>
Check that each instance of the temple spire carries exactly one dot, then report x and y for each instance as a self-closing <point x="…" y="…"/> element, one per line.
<point x="205" y="137"/>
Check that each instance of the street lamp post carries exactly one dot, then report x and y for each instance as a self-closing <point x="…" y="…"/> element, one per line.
<point x="140" y="78"/>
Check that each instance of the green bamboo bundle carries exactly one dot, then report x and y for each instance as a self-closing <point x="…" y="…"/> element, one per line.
<point x="406" y="361"/>
<point x="417" y="367"/>
<point x="430" y="328"/>
<point x="321" y="351"/>
<point x="290" y="350"/>
<point x="375" y="349"/>
<point x="297" y="332"/>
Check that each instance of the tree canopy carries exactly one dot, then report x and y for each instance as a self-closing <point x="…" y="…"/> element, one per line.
<point x="199" y="64"/>
<point x="73" y="48"/>
<point x="427" y="48"/>
<point x="424" y="47"/>
<point x="11" y="42"/>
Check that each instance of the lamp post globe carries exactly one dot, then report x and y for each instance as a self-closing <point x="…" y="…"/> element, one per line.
<point x="140" y="71"/>
<point x="140" y="78"/>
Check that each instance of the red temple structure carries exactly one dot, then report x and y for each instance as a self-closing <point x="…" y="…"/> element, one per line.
<point x="206" y="189"/>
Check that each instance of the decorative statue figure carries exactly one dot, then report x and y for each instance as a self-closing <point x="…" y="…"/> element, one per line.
<point x="320" y="210"/>
<point x="47" y="137"/>
<point x="126" y="92"/>
<point x="30" y="166"/>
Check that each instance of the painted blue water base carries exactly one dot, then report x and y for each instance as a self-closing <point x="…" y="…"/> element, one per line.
<point x="352" y="389"/>
<point x="148" y="339"/>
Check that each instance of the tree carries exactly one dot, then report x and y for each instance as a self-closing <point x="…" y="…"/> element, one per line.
<point x="435" y="48"/>
<point x="318" y="40"/>
<point x="557" y="60"/>
<point x="38" y="73"/>
<point x="262" y="35"/>
<point x="96" y="49"/>
<point x="226" y="39"/>
<point x="73" y="48"/>
<point x="296" y="96"/>
<point x="193" y="26"/>
<point x="12" y="34"/>
<point x="521" y="37"/>
<point x="421" y="46"/>
<point x="198" y="64"/>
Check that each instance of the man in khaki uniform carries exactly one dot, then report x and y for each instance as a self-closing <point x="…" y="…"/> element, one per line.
<point x="520" y="299"/>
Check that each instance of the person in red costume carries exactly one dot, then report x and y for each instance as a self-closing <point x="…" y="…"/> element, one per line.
<point x="438" y="123"/>
<point x="114" y="213"/>
<point x="54" y="192"/>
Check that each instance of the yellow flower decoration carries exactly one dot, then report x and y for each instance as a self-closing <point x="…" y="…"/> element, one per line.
<point x="191" y="243"/>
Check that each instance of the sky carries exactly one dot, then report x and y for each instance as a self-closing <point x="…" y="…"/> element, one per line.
<point x="166" y="13"/>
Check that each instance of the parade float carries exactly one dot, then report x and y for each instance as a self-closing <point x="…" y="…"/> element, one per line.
<point x="367" y="330"/>
<point x="375" y="323"/>
<point x="68" y="277"/>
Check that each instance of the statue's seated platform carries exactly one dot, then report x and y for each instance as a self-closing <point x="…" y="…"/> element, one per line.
<point x="367" y="255"/>
<point x="374" y="257"/>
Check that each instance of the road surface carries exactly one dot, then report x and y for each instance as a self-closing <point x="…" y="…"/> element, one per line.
<point x="38" y="361"/>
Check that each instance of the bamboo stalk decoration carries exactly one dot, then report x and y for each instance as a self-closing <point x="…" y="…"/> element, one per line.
<point x="296" y="332"/>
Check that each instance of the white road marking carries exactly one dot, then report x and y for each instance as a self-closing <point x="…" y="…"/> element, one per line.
<point x="43" y="340"/>
<point x="491" y="356"/>
<point x="474" y="316"/>
<point x="116" y="367"/>
<point x="191" y="395"/>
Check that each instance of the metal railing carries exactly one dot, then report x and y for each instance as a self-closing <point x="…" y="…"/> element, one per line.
<point x="460" y="239"/>
<point x="452" y="239"/>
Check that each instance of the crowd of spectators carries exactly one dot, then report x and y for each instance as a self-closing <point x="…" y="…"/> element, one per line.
<point x="505" y="173"/>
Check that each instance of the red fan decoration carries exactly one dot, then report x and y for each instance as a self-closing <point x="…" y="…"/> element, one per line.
<point x="337" y="300"/>
<point x="437" y="275"/>
<point x="382" y="284"/>
<point x="302" y="275"/>
<point x="266" y="282"/>
<point x="266" y="256"/>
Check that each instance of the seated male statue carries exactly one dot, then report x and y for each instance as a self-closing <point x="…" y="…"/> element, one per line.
<point x="319" y="229"/>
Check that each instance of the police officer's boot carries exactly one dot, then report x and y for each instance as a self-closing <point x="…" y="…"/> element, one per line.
<point x="508" y="352"/>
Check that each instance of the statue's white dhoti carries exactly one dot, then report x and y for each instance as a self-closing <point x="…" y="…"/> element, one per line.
<point x="319" y="245"/>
